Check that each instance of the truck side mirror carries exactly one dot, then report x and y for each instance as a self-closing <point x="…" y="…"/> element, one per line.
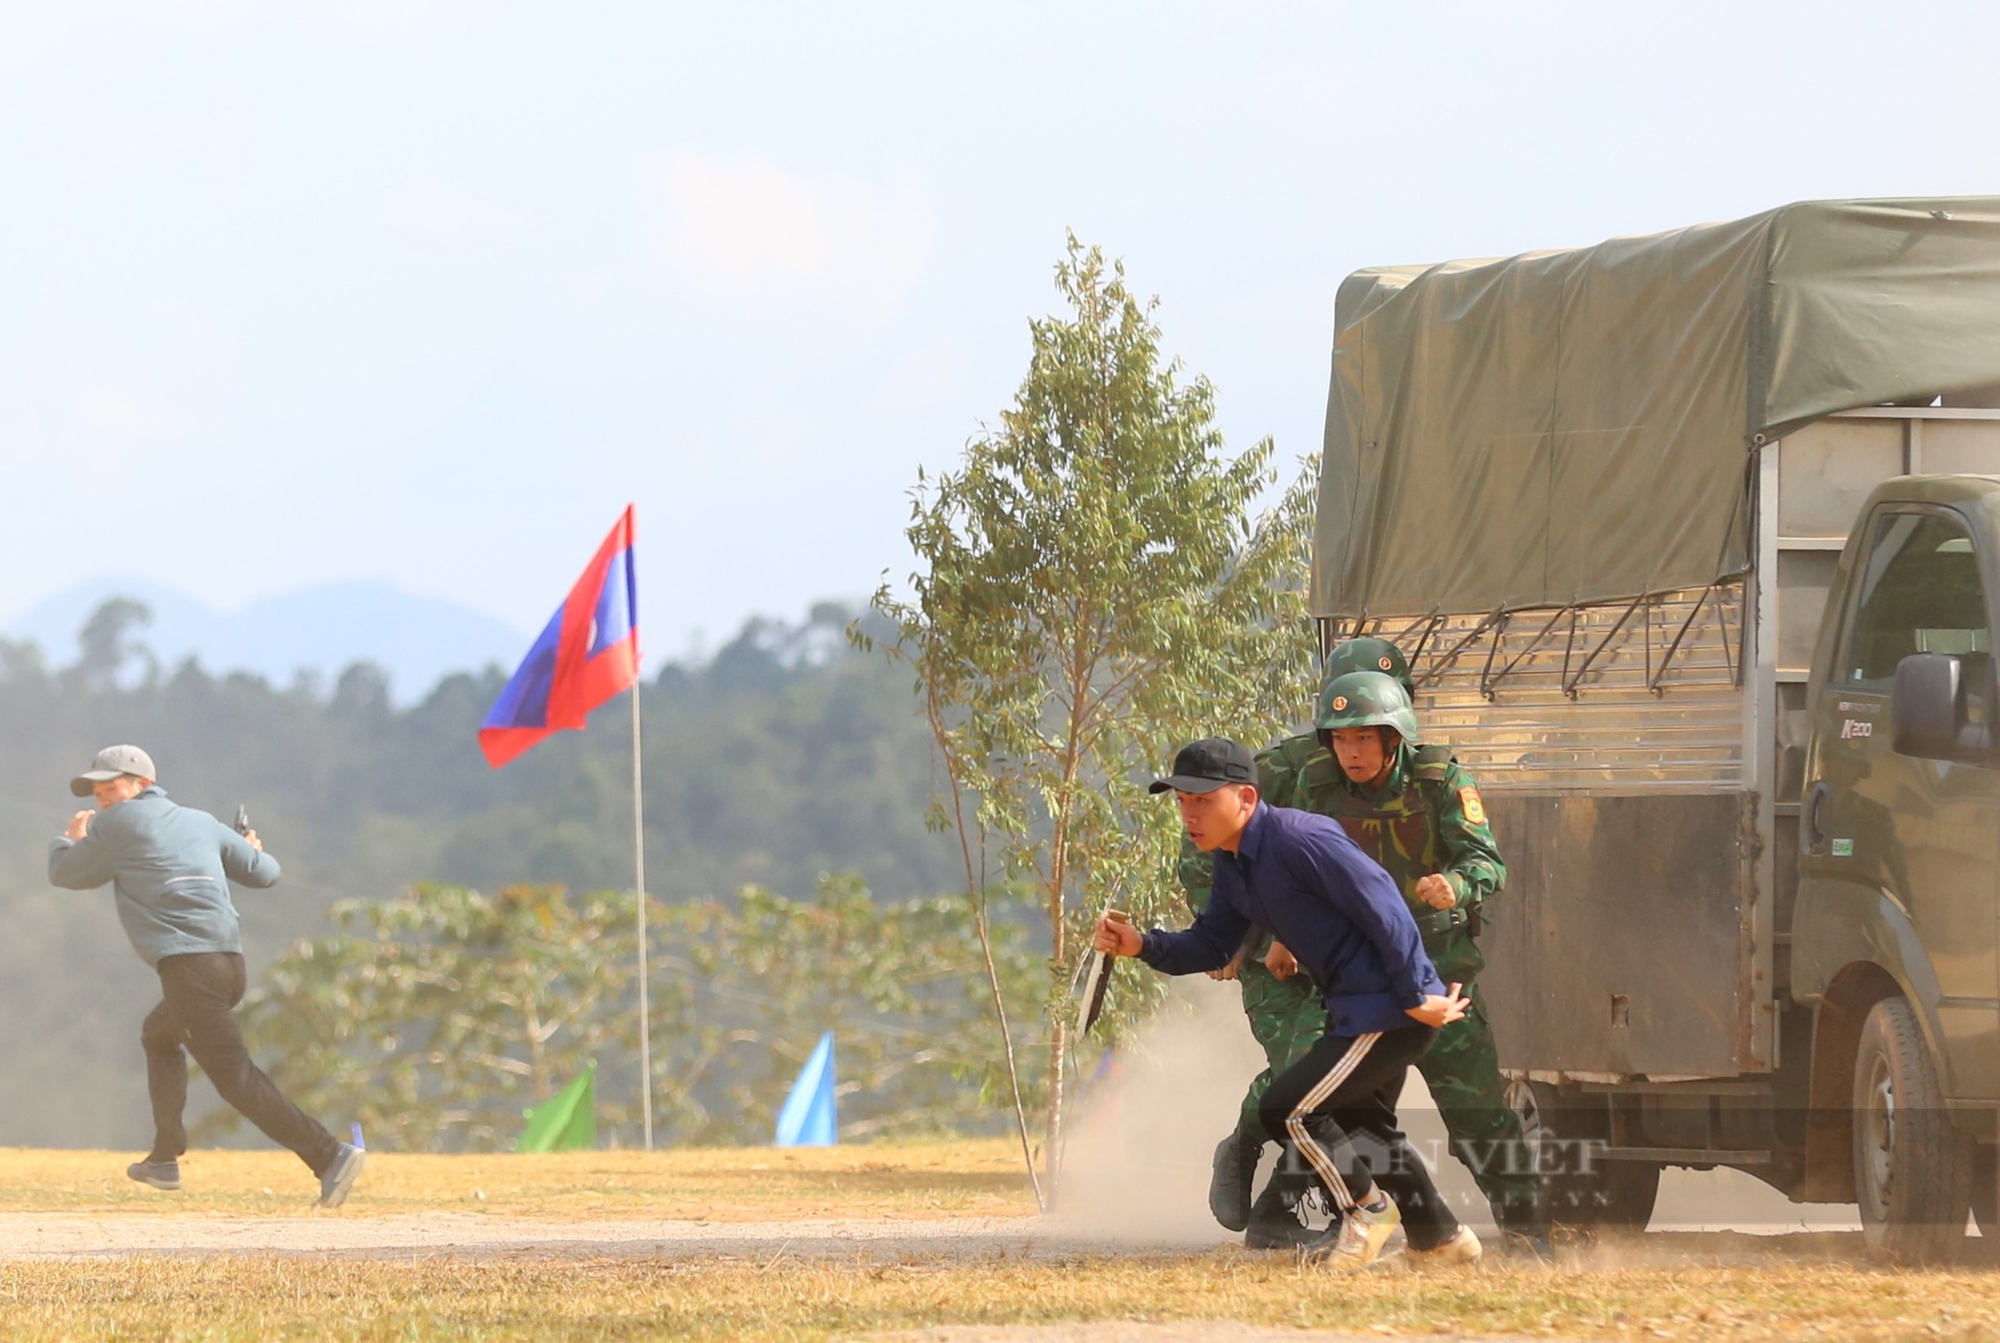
<point x="1927" y="715"/>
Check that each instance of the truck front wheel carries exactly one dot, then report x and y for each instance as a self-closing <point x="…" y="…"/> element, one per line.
<point x="1912" y="1168"/>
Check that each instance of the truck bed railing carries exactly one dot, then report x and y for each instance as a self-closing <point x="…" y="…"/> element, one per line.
<point x="1643" y="693"/>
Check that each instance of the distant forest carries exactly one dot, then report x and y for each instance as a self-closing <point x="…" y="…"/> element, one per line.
<point x="784" y="756"/>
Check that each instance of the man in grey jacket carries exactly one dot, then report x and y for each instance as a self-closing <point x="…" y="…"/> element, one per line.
<point x="171" y="867"/>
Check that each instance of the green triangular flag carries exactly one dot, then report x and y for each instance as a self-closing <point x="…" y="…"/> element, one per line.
<point x="566" y="1121"/>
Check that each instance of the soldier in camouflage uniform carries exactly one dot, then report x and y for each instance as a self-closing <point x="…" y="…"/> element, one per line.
<point x="1287" y="1015"/>
<point x="1417" y="812"/>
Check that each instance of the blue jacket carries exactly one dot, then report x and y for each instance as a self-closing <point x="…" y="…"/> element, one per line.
<point x="1302" y="877"/>
<point x="171" y="867"/>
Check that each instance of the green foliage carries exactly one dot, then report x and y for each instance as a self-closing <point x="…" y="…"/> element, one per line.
<point x="105" y="643"/>
<point x="753" y="983"/>
<point x="1092" y="593"/>
<point x="435" y="1019"/>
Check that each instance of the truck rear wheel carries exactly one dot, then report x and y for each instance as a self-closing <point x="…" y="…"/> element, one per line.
<point x="1912" y="1168"/>
<point x="1580" y="1191"/>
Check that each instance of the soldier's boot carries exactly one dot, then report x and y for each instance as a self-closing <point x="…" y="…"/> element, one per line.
<point x="1235" y="1169"/>
<point x="1522" y="1214"/>
<point x="1278" y="1221"/>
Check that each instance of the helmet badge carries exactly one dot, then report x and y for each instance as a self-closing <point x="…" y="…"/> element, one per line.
<point x="1339" y="703"/>
<point x="1384" y="664"/>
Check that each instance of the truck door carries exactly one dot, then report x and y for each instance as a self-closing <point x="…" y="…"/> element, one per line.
<point x="1923" y="833"/>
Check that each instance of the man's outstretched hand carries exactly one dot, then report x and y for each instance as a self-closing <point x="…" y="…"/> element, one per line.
<point x="1435" y="1011"/>
<point x="1116" y="939"/>
<point x="79" y="825"/>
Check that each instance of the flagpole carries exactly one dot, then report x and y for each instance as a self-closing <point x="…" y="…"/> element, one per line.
<point x="639" y="872"/>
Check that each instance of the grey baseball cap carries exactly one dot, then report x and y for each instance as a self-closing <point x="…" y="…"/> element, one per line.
<point x="110" y="763"/>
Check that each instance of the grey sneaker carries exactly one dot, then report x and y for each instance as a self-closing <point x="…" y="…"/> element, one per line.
<point x="338" y="1178"/>
<point x="159" y="1174"/>
<point x="1356" y="1241"/>
<point x="1463" y="1250"/>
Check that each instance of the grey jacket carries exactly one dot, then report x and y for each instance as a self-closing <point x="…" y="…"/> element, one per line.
<point x="171" y="867"/>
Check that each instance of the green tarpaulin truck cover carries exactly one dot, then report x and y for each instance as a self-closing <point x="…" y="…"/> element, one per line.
<point x="1577" y="426"/>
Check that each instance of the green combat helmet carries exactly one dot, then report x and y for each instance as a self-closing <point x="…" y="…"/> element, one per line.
<point x="1370" y="654"/>
<point x="1366" y="699"/>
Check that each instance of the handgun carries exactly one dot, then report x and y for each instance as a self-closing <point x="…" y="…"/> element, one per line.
<point x="242" y="821"/>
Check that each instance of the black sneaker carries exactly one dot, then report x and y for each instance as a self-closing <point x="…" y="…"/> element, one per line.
<point x="159" y="1174"/>
<point x="1278" y="1222"/>
<point x="1229" y="1187"/>
<point x="338" y="1178"/>
<point x="1524" y="1229"/>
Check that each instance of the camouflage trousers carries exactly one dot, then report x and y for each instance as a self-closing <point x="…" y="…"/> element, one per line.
<point x="1461" y="1068"/>
<point x="1287" y="1017"/>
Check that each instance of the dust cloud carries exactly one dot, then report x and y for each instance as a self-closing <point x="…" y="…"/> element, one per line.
<point x="1139" y="1156"/>
<point x="1137" y="1163"/>
<point x="1139" y="1152"/>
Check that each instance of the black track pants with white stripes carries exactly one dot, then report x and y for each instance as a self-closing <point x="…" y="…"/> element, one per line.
<point x="1337" y="1105"/>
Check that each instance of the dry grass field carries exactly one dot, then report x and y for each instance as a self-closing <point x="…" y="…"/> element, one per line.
<point x="1706" y="1286"/>
<point x="973" y="1178"/>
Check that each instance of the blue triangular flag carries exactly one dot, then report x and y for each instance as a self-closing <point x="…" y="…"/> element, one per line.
<point x="807" y="1119"/>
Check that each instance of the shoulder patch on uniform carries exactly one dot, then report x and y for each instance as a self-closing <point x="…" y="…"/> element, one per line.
<point x="1469" y="803"/>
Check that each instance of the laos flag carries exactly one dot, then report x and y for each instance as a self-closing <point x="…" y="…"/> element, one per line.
<point x="588" y="653"/>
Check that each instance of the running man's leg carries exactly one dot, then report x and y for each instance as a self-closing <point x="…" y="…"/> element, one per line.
<point x="1334" y="1106"/>
<point x="202" y="991"/>
<point x="166" y="1082"/>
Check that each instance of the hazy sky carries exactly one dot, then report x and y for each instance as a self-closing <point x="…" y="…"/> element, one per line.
<point x="426" y="292"/>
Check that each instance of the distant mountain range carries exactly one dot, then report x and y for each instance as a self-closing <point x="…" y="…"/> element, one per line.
<point x="416" y="640"/>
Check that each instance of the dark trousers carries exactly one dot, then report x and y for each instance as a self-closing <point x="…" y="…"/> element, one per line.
<point x="198" y="993"/>
<point x="1337" y="1106"/>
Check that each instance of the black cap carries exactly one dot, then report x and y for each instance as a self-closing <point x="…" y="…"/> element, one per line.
<point x="1208" y="764"/>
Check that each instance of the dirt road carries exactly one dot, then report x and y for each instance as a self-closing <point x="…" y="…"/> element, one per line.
<point x="59" y="1235"/>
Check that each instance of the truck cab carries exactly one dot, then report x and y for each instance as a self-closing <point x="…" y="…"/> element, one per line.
<point x="1893" y="931"/>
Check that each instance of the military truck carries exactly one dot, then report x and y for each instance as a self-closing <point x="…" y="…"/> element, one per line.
<point x="1693" y="541"/>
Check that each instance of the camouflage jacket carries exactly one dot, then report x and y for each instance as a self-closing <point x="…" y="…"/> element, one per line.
<point x="1425" y="817"/>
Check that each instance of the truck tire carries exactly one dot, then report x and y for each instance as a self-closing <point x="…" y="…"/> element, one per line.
<point x="1579" y="1192"/>
<point x="1912" y="1168"/>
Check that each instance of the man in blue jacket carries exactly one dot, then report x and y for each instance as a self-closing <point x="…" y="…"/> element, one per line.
<point x="171" y="867"/>
<point x="1300" y="876"/>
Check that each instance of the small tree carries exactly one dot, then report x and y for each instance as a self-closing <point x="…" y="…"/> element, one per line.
<point x="1092" y="593"/>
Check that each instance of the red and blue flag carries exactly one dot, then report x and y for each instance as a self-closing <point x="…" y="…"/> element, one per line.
<point x="588" y="653"/>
